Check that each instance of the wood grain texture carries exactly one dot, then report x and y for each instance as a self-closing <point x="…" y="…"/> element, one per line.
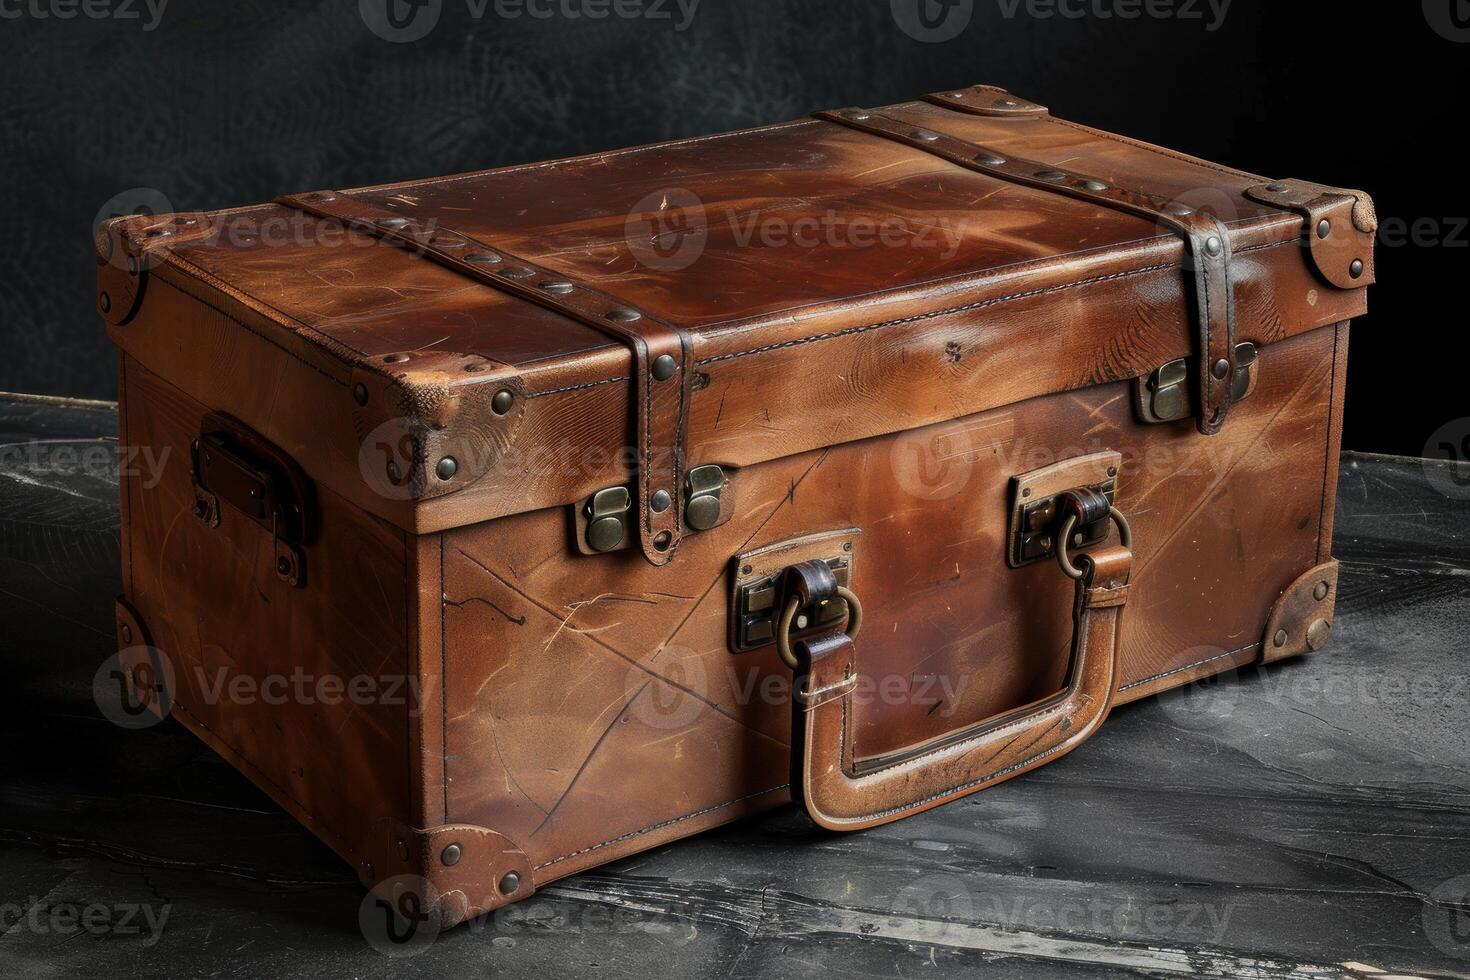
<point x="1273" y="823"/>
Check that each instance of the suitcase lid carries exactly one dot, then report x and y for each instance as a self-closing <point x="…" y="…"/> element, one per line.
<point x="498" y="339"/>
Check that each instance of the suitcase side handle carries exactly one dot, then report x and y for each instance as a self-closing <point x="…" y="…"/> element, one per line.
<point x="840" y="793"/>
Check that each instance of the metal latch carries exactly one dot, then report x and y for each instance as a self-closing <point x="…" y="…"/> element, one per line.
<point x="1037" y="516"/>
<point x="604" y="520"/>
<point x="234" y="466"/>
<point x="704" y="509"/>
<point x="759" y="587"/>
<point x="607" y="517"/>
<point x="1164" y="395"/>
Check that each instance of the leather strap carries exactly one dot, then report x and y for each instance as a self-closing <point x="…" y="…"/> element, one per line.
<point x="841" y="793"/>
<point x="662" y="352"/>
<point x="1206" y="240"/>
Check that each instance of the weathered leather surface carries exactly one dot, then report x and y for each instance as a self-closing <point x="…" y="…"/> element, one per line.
<point x="817" y="313"/>
<point x="570" y="708"/>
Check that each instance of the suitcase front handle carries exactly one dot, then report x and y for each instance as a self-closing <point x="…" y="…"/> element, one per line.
<point x="841" y="793"/>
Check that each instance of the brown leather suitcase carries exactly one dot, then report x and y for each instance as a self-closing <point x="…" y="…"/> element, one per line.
<point x="521" y="520"/>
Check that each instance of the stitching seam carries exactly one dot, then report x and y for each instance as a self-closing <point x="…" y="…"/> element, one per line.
<point x="1180" y="670"/>
<point x="660" y="826"/>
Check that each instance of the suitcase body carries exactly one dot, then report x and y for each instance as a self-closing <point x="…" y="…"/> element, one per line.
<point x="523" y="520"/>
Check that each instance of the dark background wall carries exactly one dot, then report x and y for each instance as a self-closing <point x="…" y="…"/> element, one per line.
<point x="212" y="104"/>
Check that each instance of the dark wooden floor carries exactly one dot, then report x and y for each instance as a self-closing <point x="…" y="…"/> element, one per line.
<point x="1308" y="820"/>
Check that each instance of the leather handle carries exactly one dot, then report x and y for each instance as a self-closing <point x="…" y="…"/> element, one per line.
<point x="841" y="793"/>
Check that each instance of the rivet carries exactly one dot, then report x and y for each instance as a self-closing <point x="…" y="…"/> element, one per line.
<point x="403" y="850"/>
<point x="360" y="393"/>
<point x="1276" y="188"/>
<point x="1280" y="638"/>
<point x="1179" y="210"/>
<point x="1112" y="471"/>
<point x="1320" y="592"/>
<point x="662" y="541"/>
<point x="558" y="286"/>
<point x="624" y="315"/>
<point x="394" y="473"/>
<point x="392" y="224"/>
<point x="127" y="633"/>
<point x="283" y="565"/>
<point x="660" y="501"/>
<point x="105" y="301"/>
<point x="1221" y="369"/>
<point x="503" y="401"/>
<point x="1054" y="176"/>
<point x="664" y="367"/>
<point x="1317" y="634"/>
<point x="1094" y="185"/>
<point x="321" y="196"/>
<point x="989" y="159"/>
<point x="451" y="855"/>
<point x="923" y="134"/>
<point x="1324" y="228"/>
<point x="483" y="258"/>
<point x="1026" y="492"/>
<point x="1356" y="269"/>
<point x="395" y="358"/>
<point x="448" y="241"/>
<point x="510" y="883"/>
<point x="516" y="272"/>
<point x="859" y="115"/>
<point x="1006" y="104"/>
<point x="446" y="468"/>
<point x="1213" y="245"/>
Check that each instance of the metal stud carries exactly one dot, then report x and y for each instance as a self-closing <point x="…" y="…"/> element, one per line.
<point x="451" y="855"/>
<point x="510" y="883"/>
<point x="624" y="315"/>
<point x="516" y="272"/>
<point x="360" y="393"/>
<point x="1094" y="185"/>
<point x="1276" y="188"/>
<point x="989" y="159"/>
<point x="503" y="401"/>
<point x="1280" y="638"/>
<point x="483" y="258"/>
<point x="558" y="286"/>
<point x="926" y="135"/>
<point x="1356" y="269"/>
<point x="1178" y="210"/>
<point x="1317" y="634"/>
<point x="127" y="633"/>
<point x="1054" y="176"/>
<point x="395" y="358"/>
<point x="393" y="224"/>
<point x="1221" y="369"/>
<point x="1007" y="104"/>
<point x="1324" y="228"/>
<point x="1213" y="245"/>
<point x="448" y="466"/>
<point x="660" y="501"/>
<point x="858" y="115"/>
<point x="664" y="367"/>
<point x="105" y="302"/>
<point x="1320" y="592"/>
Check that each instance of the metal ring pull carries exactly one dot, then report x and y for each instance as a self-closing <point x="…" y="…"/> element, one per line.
<point x="788" y="616"/>
<point x="1125" y="535"/>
